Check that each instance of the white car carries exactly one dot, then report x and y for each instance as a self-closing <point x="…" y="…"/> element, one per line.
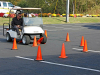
<point x="7" y="6"/>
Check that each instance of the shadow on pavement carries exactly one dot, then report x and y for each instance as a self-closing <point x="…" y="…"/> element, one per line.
<point x="95" y="26"/>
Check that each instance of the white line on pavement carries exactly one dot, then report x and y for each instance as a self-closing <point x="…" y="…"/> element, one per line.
<point x="88" y="50"/>
<point x="83" y="68"/>
<point x="24" y="58"/>
<point x="59" y="27"/>
<point x="71" y="66"/>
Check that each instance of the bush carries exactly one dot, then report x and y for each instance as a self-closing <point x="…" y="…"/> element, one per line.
<point x="64" y="15"/>
<point x="45" y="15"/>
<point x="39" y="14"/>
<point x="57" y="15"/>
<point x="49" y="14"/>
<point x="53" y="15"/>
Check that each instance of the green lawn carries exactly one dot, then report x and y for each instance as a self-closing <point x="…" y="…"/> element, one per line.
<point x="61" y="20"/>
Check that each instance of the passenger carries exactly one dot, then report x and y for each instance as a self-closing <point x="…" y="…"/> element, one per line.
<point x="17" y="22"/>
<point x="25" y="15"/>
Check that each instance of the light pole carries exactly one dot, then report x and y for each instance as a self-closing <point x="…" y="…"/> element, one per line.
<point x="67" y="11"/>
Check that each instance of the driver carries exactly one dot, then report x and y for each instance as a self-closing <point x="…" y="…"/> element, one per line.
<point x="17" y="22"/>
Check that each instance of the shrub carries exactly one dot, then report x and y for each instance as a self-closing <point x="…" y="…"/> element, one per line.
<point x="39" y="14"/>
<point x="57" y="15"/>
<point x="63" y="15"/>
<point x="53" y="15"/>
<point x="45" y="15"/>
<point x="49" y="14"/>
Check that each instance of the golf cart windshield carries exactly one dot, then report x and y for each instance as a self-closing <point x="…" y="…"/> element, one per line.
<point x="32" y="21"/>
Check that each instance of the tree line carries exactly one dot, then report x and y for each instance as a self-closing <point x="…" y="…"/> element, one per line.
<point x="48" y="6"/>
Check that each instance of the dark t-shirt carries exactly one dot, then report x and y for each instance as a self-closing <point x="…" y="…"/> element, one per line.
<point x="15" y="21"/>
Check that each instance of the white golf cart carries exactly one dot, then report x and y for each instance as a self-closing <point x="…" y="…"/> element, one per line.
<point x="32" y="26"/>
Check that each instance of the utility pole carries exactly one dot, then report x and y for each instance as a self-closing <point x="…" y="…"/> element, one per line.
<point x="67" y="11"/>
<point x="75" y="7"/>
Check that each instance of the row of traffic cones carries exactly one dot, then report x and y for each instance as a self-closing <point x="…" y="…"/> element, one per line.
<point x="63" y="53"/>
<point x="39" y="54"/>
<point x="35" y="42"/>
<point x="84" y="44"/>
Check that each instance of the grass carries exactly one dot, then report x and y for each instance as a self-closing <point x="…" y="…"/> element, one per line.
<point x="61" y="20"/>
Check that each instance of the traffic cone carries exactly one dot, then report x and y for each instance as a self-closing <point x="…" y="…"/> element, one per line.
<point x="39" y="54"/>
<point x="34" y="42"/>
<point x="14" y="47"/>
<point x="85" y="49"/>
<point x="40" y="40"/>
<point x="82" y="41"/>
<point x="63" y="54"/>
<point x="67" y="38"/>
<point x="46" y="33"/>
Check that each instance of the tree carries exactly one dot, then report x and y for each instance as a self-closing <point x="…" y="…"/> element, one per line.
<point x="22" y="3"/>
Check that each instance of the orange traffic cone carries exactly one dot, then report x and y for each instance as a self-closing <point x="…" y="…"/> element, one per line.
<point x="40" y="40"/>
<point x="85" y="49"/>
<point x="39" y="54"/>
<point x="34" y="42"/>
<point x="14" y="47"/>
<point x="82" y="41"/>
<point x="46" y="33"/>
<point x="63" y="54"/>
<point x="67" y="38"/>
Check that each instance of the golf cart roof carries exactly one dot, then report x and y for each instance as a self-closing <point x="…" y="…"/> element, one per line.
<point x="26" y="9"/>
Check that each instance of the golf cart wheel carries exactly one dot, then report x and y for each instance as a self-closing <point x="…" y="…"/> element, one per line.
<point x="26" y="40"/>
<point x="44" y="38"/>
<point x="8" y="38"/>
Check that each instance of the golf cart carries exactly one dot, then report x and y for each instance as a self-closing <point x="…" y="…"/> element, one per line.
<point x="32" y="26"/>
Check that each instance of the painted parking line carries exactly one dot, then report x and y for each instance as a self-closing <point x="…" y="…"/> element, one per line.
<point x="77" y="67"/>
<point x="59" y="27"/>
<point x="24" y="58"/>
<point x="88" y="50"/>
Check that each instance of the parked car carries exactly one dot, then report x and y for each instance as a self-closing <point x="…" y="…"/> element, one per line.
<point x="6" y="6"/>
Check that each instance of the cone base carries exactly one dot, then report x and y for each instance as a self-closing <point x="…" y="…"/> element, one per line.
<point x="67" y="41"/>
<point x="38" y="59"/>
<point x="34" y="46"/>
<point x="63" y="57"/>
<point x="85" y="51"/>
<point x="14" y="49"/>
<point x="81" y="46"/>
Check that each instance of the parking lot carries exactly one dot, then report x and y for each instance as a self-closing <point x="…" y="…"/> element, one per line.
<point x="22" y="61"/>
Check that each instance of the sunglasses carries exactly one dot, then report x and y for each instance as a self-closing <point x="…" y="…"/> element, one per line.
<point x="19" y="16"/>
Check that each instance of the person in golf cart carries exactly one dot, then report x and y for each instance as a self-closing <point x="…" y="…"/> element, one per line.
<point x="17" y="23"/>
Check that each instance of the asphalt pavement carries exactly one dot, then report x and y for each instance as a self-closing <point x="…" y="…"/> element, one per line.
<point x="22" y="61"/>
